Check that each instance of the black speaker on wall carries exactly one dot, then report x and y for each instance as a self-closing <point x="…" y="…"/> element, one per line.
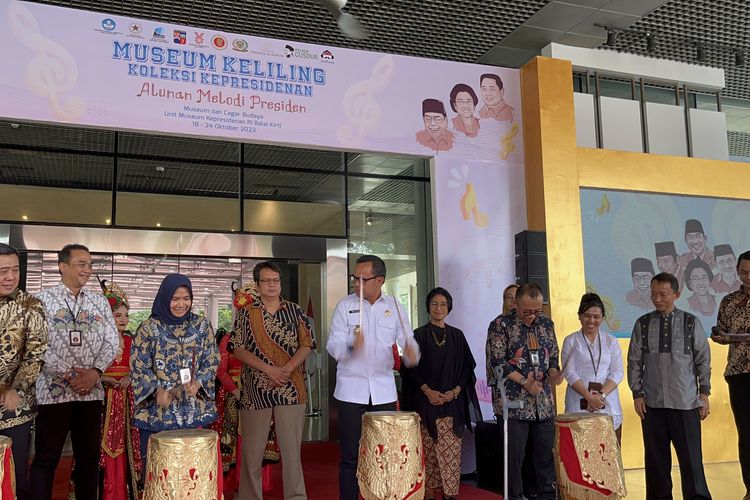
<point x="531" y="259"/>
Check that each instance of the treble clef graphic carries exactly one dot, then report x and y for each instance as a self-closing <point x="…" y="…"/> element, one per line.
<point x="507" y="142"/>
<point x="361" y="108"/>
<point x="52" y="71"/>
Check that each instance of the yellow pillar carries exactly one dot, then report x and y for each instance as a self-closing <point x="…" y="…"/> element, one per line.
<point x="552" y="199"/>
<point x="556" y="170"/>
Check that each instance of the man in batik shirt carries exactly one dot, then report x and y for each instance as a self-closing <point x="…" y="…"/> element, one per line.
<point x="525" y="346"/>
<point x="734" y="317"/>
<point x="23" y="340"/>
<point x="272" y="337"/>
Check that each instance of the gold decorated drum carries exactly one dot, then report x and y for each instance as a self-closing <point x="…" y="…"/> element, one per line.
<point x="391" y="463"/>
<point x="7" y="470"/>
<point x="587" y="457"/>
<point x="183" y="464"/>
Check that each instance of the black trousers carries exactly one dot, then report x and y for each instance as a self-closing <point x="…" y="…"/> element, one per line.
<point x="350" y="430"/>
<point x="682" y="428"/>
<point x="739" y="399"/>
<point x="21" y="436"/>
<point x="540" y="435"/>
<point x="83" y="419"/>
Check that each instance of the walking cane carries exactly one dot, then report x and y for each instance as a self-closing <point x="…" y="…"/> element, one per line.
<point x="507" y="405"/>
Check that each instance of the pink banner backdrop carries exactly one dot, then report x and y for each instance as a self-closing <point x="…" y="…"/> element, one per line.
<point x="90" y="69"/>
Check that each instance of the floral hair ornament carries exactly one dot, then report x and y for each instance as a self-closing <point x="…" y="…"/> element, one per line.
<point x="115" y="295"/>
<point x="244" y="295"/>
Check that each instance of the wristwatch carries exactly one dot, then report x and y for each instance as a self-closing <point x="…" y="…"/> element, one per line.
<point x="523" y="381"/>
<point x="604" y="396"/>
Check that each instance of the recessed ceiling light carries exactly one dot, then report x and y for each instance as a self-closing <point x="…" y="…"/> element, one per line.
<point x="25" y="217"/>
<point x="158" y="224"/>
<point x="108" y="221"/>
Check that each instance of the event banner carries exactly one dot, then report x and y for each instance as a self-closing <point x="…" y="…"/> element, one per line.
<point x="85" y="68"/>
<point x="629" y="237"/>
<point x="91" y="69"/>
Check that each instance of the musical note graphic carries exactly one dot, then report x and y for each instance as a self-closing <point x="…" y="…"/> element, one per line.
<point x="508" y="146"/>
<point x="469" y="207"/>
<point x="605" y="206"/>
<point x="361" y="108"/>
<point x="52" y="71"/>
<point x="612" y="319"/>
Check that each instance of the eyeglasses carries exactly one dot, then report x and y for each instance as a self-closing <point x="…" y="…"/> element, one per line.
<point x="355" y="279"/>
<point x="526" y="313"/>
<point x="270" y="281"/>
<point x="434" y="119"/>
<point x="442" y="305"/>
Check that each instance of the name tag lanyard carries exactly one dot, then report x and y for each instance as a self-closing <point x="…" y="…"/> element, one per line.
<point x="187" y="374"/>
<point x="591" y="354"/>
<point x="75" y="336"/>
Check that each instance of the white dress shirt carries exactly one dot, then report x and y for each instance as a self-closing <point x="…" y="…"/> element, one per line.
<point x="367" y="375"/>
<point x="577" y="353"/>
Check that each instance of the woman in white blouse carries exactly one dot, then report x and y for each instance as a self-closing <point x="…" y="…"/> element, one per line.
<point x="592" y="365"/>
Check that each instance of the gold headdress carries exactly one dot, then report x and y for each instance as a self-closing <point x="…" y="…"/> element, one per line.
<point x="244" y="295"/>
<point x="115" y="295"/>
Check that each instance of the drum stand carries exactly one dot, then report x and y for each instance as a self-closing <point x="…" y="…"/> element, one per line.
<point x="507" y="405"/>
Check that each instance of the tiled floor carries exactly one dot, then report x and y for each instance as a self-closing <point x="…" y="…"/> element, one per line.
<point x="724" y="482"/>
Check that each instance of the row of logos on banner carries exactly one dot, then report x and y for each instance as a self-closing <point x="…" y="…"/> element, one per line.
<point x="199" y="39"/>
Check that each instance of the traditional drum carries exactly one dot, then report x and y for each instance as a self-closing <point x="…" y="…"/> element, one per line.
<point x="7" y="470"/>
<point x="391" y="463"/>
<point x="587" y="457"/>
<point x="183" y="464"/>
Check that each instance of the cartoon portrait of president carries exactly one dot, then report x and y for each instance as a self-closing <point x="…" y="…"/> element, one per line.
<point x="435" y="134"/>
<point x="726" y="279"/>
<point x="641" y="270"/>
<point x="697" y="243"/>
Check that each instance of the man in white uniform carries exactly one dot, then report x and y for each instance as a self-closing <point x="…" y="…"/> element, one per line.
<point x="364" y="356"/>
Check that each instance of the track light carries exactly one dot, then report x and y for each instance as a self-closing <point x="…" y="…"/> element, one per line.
<point x="739" y="58"/>
<point x="700" y="52"/>
<point x="650" y="42"/>
<point x="611" y="38"/>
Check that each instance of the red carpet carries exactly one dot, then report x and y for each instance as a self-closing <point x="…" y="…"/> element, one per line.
<point x="320" y="463"/>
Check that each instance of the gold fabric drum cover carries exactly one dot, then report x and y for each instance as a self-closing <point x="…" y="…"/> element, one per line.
<point x="182" y="465"/>
<point x="587" y="457"/>
<point x="7" y="470"/>
<point x="391" y="463"/>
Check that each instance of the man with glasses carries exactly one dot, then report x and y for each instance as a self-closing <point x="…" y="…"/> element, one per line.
<point x="641" y="270"/>
<point x="272" y="337"/>
<point x="524" y="345"/>
<point x="365" y="325"/>
<point x="435" y="135"/>
<point x="83" y="341"/>
<point x="24" y="340"/>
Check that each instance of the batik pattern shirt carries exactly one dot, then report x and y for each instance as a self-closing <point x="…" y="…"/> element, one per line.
<point x="94" y="346"/>
<point x="734" y="317"/>
<point x="508" y="347"/>
<point x="23" y="341"/>
<point x="274" y="339"/>
<point x="158" y="352"/>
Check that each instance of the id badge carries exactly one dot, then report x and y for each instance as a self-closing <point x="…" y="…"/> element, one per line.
<point x="534" y="358"/>
<point x="76" y="339"/>
<point x="185" y="376"/>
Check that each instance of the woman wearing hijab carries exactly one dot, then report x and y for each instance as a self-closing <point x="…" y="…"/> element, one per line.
<point x="173" y="364"/>
<point x="444" y="379"/>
